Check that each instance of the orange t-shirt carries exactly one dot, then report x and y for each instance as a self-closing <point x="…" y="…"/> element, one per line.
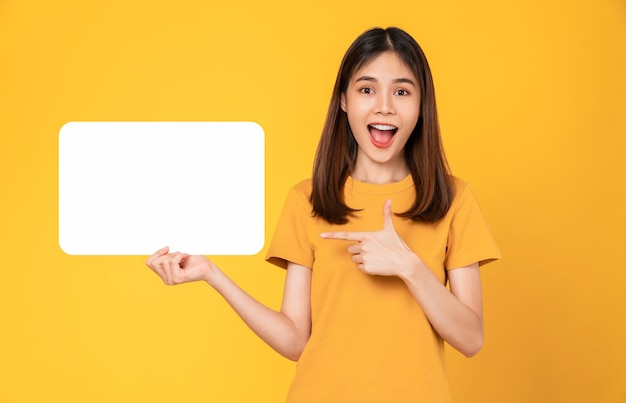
<point x="370" y="340"/>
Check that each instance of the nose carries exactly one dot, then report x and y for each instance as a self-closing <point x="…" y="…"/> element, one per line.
<point x="384" y="104"/>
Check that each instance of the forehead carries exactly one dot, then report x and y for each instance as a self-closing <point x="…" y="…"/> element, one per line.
<point x="385" y="66"/>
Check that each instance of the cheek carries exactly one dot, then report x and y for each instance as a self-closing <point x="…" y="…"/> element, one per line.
<point x="354" y="127"/>
<point x="411" y="115"/>
<point x="359" y="131"/>
<point x="354" y="116"/>
<point x="358" y="110"/>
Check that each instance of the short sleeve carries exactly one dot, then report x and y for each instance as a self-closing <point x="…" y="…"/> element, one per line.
<point x="469" y="237"/>
<point x="290" y="242"/>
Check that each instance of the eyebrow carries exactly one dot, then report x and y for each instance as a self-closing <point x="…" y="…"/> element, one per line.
<point x="395" y="81"/>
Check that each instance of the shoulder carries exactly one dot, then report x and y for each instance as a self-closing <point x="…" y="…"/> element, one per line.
<point x="302" y="189"/>
<point x="465" y="203"/>
<point x="300" y="193"/>
<point x="458" y="184"/>
<point x="463" y="194"/>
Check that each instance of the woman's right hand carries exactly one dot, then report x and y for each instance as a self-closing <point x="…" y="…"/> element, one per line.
<point x="177" y="267"/>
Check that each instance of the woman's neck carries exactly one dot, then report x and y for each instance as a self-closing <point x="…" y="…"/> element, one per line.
<point x="380" y="174"/>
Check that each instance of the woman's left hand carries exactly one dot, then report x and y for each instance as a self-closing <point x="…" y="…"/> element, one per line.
<point x="455" y="314"/>
<point x="381" y="252"/>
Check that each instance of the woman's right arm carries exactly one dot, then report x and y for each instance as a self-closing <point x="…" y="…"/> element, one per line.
<point x="286" y="331"/>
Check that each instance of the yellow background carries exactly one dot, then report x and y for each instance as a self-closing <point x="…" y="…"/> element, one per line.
<point x="532" y="98"/>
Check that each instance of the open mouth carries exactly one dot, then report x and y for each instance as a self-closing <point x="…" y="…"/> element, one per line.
<point x="382" y="135"/>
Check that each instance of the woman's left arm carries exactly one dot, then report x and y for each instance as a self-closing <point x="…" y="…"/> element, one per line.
<point x="455" y="314"/>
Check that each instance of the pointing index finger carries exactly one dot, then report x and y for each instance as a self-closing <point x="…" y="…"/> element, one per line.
<point x="344" y="235"/>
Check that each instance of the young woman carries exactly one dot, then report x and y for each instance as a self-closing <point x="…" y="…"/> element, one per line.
<point x="369" y="243"/>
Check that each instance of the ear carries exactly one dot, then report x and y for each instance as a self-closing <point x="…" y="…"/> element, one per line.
<point x="343" y="102"/>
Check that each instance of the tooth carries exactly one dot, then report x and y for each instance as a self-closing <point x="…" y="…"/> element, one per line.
<point x="383" y="127"/>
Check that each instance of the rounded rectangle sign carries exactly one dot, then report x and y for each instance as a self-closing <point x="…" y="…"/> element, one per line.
<point x="130" y="188"/>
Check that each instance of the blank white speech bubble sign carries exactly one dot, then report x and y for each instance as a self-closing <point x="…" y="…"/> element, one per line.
<point x="130" y="188"/>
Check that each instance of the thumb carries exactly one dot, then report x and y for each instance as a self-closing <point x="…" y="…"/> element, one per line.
<point x="388" y="216"/>
<point x="183" y="257"/>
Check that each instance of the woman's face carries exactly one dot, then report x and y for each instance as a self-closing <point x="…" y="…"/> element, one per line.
<point x="382" y="103"/>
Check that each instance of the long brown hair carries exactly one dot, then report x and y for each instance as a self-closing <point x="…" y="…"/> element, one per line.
<point x="424" y="156"/>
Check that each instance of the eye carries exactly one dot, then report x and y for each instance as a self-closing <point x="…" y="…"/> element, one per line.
<point x="402" y="92"/>
<point x="366" y="90"/>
